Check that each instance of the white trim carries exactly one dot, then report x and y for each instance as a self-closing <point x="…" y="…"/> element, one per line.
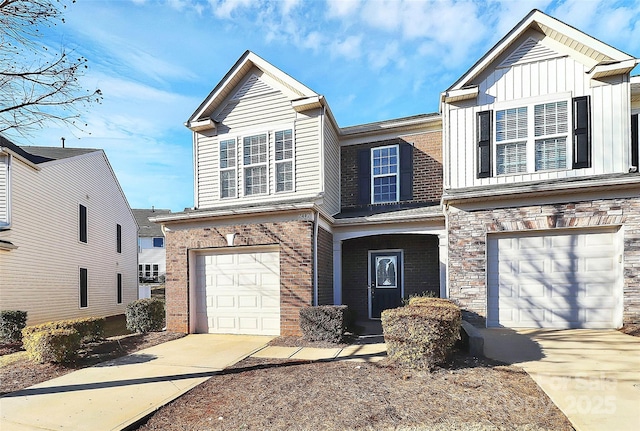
<point x="461" y="94"/>
<point x="369" y="255"/>
<point x="6" y="224"/>
<point x="373" y="176"/>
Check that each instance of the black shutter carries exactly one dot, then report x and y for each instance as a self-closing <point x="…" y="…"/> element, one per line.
<point x="635" y="145"/>
<point x="484" y="143"/>
<point x="364" y="177"/>
<point x="118" y="238"/>
<point x="406" y="172"/>
<point x="119" y="292"/>
<point x="83" y="223"/>
<point x="581" y="132"/>
<point x="84" y="288"/>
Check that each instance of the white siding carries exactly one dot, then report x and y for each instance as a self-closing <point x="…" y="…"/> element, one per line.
<point x="41" y="276"/>
<point x="331" y="169"/>
<point x="250" y="116"/>
<point x="151" y="256"/>
<point x="562" y="77"/>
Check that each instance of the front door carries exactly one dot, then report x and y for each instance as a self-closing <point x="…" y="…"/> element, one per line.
<point x="385" y="284"/>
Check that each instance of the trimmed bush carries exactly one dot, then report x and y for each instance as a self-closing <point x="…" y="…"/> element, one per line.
<point x="12" y="322"/>
<point x="324" y="323"/>
<point x="51" y="345"/>
<point x="422" y="334"/>
<point x="89" y="328"/>
<point x="145" y="315"/>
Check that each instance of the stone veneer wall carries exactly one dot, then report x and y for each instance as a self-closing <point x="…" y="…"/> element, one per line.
<point x="296" y="263"/>
<point x="468" y="233"/>
<point x="427" y="168"/>
<point x="421" y="267"/>
<point x="325" y="267"/>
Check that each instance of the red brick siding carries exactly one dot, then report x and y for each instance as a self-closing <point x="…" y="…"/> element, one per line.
<point x="427" y="168"/>
<point x="421" y="267"/>
<point x="325" y="267"/>
<point x="296" y="263"/>
<point x="467" y="244"/>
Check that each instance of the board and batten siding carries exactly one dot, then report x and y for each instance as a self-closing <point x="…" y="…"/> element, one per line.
<point x="564" y="77"/>
<point x="41" y="276"/>
<point x="256" y="115"/>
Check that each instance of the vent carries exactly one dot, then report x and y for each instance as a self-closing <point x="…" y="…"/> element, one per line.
<point x="531" y="50"/>
<point x="254" y="86"/>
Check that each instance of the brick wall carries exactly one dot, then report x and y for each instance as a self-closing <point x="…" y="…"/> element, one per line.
<point x="427" y="168"/>
<point x="467" y="244"/>
<point x="325" y="267"/>
<point x="296" y="274"/>
<point x="421" y="267"/>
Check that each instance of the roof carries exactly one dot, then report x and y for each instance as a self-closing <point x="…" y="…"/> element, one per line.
<point x="604" y="55"/>
<point x="149" y="229"/>
<point x="37" y="155"/>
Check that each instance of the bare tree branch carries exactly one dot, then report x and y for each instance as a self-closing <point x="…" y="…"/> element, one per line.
<point x="38" y="87"/>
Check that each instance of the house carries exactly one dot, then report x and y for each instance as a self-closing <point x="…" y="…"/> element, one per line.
<point x="151" y="251"/>
<point x="67" y="234"/>
<point x="292" y="210"/>
<point x="541" y="183"/>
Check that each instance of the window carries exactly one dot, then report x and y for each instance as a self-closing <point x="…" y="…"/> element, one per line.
<point x="83" y="223"/>
<point x="384" y="178"/>
<point x="511" y="141"/>
<point x="84" y="288"/>
<point x="255" y="164"/>
<point x="140" y="273"/>
<point x="119" y="238"/>
<point x="155" y="272"/>
<point x="119" y="289"/>
<point x="5" y="219"/>
<point x="158" y="242"/>
<point x="284" y="160"/>
<point x="551" y="124"/>
<point x="228" y="168"/>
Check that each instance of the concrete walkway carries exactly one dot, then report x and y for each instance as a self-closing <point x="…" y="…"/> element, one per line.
<point x="115" y="394"/>
<point x="365" y="352"/>
<point x="593" y="376"/>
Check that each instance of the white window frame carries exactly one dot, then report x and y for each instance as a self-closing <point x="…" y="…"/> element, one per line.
<point x="6" y="166"/>
<point x="531" y="139"/>
<point x="248" y="166"/>
<point x="387" y="175"/>
<point x="232" y="169"/>
<point x="291" y="160"/>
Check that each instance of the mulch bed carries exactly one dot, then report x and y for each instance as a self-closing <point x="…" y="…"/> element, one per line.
<point x="270" y="394"/>
<point x="24" y="373"/>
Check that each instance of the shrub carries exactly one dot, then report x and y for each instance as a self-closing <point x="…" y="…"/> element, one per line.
<point x="422" y="334"/>
<point x="324" y="323"/>
<point x="51" y="345"/>
<point x="12" y="322"/>
<point x="145" y="315"/>
<point x="89" y="328"/>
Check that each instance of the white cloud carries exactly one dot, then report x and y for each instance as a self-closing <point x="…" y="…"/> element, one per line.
<point x="224" y="8"/>
<point x="349" y="48"/>
<point x="389" y="53"/>
<point x="342" y="8"/>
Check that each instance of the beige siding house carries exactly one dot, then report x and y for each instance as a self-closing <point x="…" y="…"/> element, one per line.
<point x="68" y="238"/>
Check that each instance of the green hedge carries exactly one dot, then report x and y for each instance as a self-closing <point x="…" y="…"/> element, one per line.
<point x="12" y="322"/>
<point x="145" y="315"/>
<point x="324" y="323"/>
<point x="422" y="334"/>
<point x="89" y="328"/>
<point x="51" y="345"/>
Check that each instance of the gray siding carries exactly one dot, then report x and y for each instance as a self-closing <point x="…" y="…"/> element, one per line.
<point x="331" y="169"/>
<point x="41" y="276"/>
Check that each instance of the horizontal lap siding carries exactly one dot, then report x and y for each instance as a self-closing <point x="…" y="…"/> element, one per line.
<point x="332" y="170"/>
<point x="307" y="163"/>
<point x="609" y="100"/>
<point x="4" y="196"/>
<point x="41" y="275"/>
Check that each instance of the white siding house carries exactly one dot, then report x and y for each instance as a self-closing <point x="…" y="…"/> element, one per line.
<point x="68" y="246"/>
<point x="152" y="255"/>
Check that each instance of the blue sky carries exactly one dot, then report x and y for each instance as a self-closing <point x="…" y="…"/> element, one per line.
<point x="155" y="61"/>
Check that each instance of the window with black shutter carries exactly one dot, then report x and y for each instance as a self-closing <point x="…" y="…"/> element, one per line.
<point x="83" y="223"/>
<point x="364" y="177"/>
<point x="84" y="288"/>
<point x="581" y="132"/>
<point x="118" y="238"/>
<point x="406" y="172"/>
<point x="484" y="143"/>
<point x="119" y="289"/>
<point x="635" y="144"/>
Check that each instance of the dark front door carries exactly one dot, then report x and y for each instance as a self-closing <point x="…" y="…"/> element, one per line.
<point x="386" y="283"/>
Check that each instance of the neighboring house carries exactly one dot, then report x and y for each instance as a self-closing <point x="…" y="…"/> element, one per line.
<point x="292" y="210"/>
<point x="67" y="234"/>
<point x="151" y="251"/>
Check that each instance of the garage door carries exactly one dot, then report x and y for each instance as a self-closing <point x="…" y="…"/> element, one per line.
<point x="564" y="280"/>
<point x="238" y="293"/>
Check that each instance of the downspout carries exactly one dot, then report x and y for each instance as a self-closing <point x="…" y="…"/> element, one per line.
<point x="316" y="214"/>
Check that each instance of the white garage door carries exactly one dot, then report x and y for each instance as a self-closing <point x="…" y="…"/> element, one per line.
<point x="566" y="280"/>
<point x="238" y="293"/>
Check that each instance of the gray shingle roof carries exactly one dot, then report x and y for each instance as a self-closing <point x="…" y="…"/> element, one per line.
<point x="39" y="155"/>
<point x="147" y="228"/>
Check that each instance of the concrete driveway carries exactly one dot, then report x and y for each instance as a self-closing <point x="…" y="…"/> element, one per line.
<point x="593" y="376"/>
<point x="115" y="394"/>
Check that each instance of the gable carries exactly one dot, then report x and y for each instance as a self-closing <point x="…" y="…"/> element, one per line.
<point x="531" y="50"/>
<point x="253" y="86"/>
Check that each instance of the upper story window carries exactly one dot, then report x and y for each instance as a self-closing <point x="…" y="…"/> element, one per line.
<point x="158" y="242"/>
<point x="255" y="164"/>
<point x="5" y="209"/>
<point x="385" y="171"/>
<point x="534" y="138"/>
<point x="228" y="168"/>
<point x="284" y="160"/>
<point x="82" y="222"/>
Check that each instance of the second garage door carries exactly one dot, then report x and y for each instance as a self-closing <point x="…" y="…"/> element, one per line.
<point x="571" y="279"/>
<point x="238" y="293"/>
